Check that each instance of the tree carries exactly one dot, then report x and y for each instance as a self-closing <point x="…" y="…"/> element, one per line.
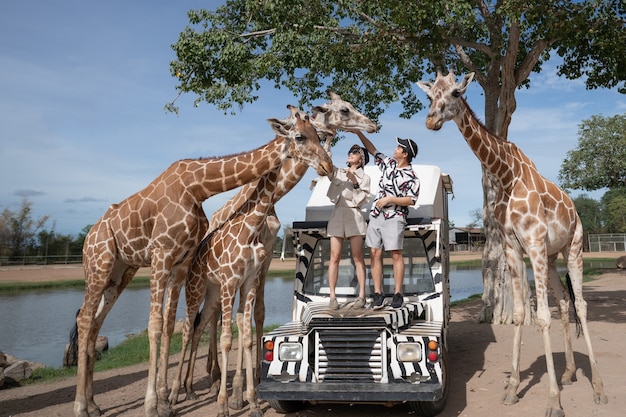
<point x="613" y="204"/>
<point x="599" y="161"/>
<point x="477" y="218"/>
<point x="373" y="52"/>
<point x="590" y="213"/>
<point x="18" y="230"/>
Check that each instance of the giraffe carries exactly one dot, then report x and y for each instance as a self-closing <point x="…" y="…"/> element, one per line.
<point x="535" y="217"/>
<point x="230" y="258"/>
<point x="327" y="118"/>
<point x="161" y="226"/>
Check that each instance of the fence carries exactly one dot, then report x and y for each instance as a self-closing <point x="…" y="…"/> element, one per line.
<point x="607" y="242"/>
<point x="40" y="260"/>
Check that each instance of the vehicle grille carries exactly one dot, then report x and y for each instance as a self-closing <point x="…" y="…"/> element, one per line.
<point x="357" y="358"/>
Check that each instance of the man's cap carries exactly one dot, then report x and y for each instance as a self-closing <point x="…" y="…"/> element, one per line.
<point x="409" y="146"/>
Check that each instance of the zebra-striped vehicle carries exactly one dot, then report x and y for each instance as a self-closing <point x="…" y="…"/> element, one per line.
<point x="371" y="355"/>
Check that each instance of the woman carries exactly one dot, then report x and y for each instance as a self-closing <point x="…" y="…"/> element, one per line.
<point x="349" y="189"/>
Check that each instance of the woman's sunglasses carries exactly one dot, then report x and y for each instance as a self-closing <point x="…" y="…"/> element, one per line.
<point x="353" y="151"/>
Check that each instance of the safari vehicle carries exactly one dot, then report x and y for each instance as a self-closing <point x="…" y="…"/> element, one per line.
<point x="371" y="355"/>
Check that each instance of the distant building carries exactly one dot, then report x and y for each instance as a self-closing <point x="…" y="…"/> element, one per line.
<point x="464" y="239"/>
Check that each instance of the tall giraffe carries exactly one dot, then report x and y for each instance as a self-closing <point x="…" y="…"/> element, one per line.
<point x="327" y="118"/>
<point x="161" y="227"/>
<point x="230" y="257"/>
<point x="535" y="217"/>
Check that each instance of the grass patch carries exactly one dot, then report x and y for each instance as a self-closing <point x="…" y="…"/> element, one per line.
<point x="132" y="351"/>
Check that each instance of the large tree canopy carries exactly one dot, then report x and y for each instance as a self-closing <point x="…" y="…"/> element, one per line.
<point x="372" y="53"/>
<point x="599" y="161"/>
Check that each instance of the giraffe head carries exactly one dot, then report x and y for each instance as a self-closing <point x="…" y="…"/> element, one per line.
<point x="445" y="97"/>
<point x="339" y="114"/>
<point x="303" y="141"/>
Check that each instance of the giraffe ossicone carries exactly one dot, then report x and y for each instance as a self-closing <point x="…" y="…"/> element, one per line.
<point x="535" y="217"/>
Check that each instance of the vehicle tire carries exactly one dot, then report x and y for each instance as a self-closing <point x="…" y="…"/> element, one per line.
<point x="284" y="407"/>
<point x="432" y="408"/>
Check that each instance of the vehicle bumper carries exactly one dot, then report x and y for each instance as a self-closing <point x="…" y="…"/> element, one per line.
<point x="348" y="392"/>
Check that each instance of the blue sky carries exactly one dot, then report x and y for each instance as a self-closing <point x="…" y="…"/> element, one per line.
<point x="82" y="123"/>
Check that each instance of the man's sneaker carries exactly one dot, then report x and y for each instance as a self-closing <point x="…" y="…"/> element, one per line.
<point x="378" y="299"/>
<point x="359" y="303"/>
<point x="333" y="304"/>
<point x="397" y="300"/>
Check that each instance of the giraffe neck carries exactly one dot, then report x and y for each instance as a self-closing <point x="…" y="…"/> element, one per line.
<point x="206" y="177"/>
<point x="261" y="200"/>
<point x="290" y="173"/>
<point x="497" y="156"/>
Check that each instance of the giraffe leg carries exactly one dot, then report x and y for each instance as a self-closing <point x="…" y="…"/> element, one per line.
<point x="89" y="322"/>
<point x="84" y="404"/>
<point x="194" y="294"/>
<point x="255" y="410"/>
<point x="206" y="317"/>
<point x="169" y="321"/>
<point x="212" y="365"/>
<point x="259" y="314"/>
<point x="236" y="398"/>
<point x="562" y="301"/>
<point x="155" y="327"/>
<point x="515" y="265"/>
<point x="574" y="266"/>
<point x="539" y="259"/>
<point x="226" y="340"/>
<point x="173" y="398"/>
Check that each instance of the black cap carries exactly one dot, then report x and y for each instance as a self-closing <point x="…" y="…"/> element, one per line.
<point x="409" y="146"/>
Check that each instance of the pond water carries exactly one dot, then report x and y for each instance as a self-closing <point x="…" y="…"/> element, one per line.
<point x="35" y="325"/>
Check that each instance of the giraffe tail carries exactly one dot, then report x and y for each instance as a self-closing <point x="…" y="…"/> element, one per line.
<point x="70" y="358"/>
<point x="196" y="321"/>
<point x="572" y="297"/>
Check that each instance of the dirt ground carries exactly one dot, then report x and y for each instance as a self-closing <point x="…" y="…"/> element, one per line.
<point x="480" y="359"/>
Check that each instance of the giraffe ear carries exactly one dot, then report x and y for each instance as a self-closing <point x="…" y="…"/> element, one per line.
<point x="318" y="109"/>
<point x="466" y="81"/>
<point x="424" y="85"/>
<point x="280" y="127"/>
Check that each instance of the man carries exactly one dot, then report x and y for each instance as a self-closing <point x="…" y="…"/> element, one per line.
<point x="398" y="189"/>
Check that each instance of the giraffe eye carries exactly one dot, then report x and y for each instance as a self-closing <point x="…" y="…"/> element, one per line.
<point x="456" y="93"/>
<point x="300" y="138"/>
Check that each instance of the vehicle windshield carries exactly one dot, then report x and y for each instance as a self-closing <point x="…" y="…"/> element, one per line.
<point x="418" y="278"/>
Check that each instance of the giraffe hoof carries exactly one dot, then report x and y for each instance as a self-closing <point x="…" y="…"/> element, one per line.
<point x="256" y="413"/>
<point x="192" y="396"/>
<point x="509" y="399"/>
<point x="236" y="403"/>
<point x="600" y="398"/>
<point x="165" y="411"/>
<point x="554" y="412"/>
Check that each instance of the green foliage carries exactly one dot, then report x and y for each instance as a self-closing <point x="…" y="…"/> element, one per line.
<point x="18" y="230"/>
<point x="23" y="236"/>
<point x="372" y="52"/>
<point x="592" y="51"/>
<point x="613" y="204"/>
<point x="590" y="213"/>
<point x="599" y="161"/>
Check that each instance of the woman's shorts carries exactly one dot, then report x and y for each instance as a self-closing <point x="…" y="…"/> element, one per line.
<point x="346" y="222"/>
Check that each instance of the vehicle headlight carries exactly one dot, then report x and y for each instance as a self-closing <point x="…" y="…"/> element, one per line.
<point x="290" y="352"/>
<point x="409" y="352"/>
